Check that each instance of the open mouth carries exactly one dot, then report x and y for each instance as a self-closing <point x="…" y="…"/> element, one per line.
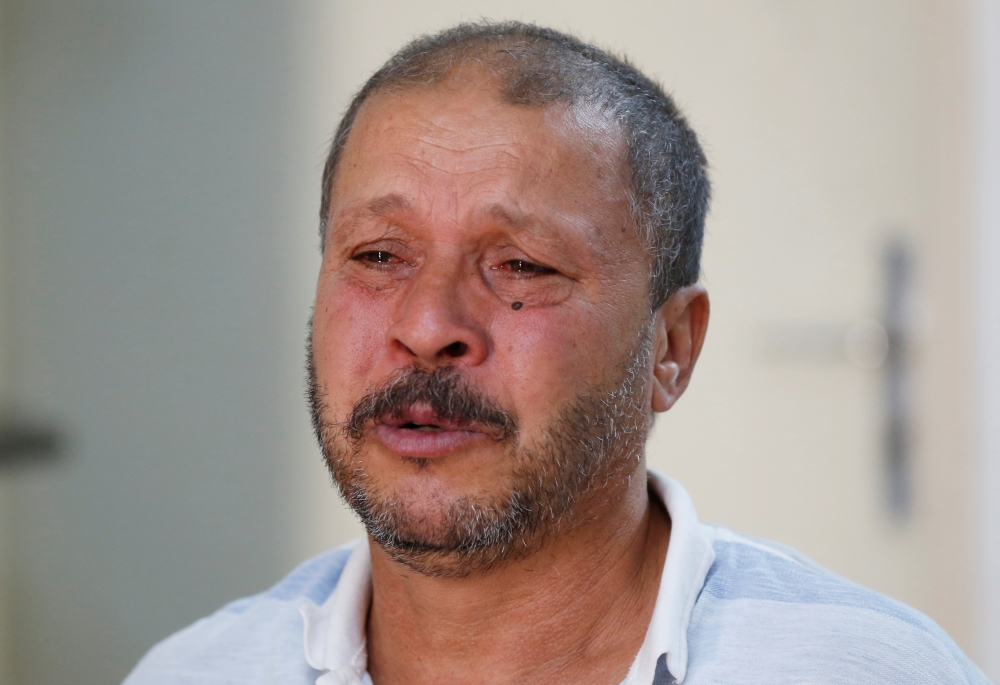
<point x="423" y="428"/>
<point x="423" y="419"/>
<point x="418" y="431"/>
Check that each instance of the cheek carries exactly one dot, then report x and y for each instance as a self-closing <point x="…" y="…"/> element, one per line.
<point x="544" y="291"/>
<point x="348" y="333"/>
<point x="548" y="358"/>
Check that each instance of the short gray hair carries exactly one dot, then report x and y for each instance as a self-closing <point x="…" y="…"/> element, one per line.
<point x="535" y="66"/>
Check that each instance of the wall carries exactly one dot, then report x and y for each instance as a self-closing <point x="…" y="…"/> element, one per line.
<point x="834" y="127"/>
<point x="987" y="258"/>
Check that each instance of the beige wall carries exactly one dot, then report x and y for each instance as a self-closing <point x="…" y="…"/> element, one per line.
<point x="829" y="127"/>
<point x="986" y="20"/>
<point x="836" y="126"/>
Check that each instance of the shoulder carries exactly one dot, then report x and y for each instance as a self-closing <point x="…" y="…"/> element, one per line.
<point x="251" y="641"/>
<point x="767" y="605"/>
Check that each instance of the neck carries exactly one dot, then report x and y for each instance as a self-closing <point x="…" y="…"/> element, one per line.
<point x="574" y="612"/>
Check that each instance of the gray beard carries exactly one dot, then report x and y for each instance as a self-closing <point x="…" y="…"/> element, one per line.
<point x="594" y="442"/>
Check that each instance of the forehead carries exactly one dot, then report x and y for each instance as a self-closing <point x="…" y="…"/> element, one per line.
<point x="459" y="147"/>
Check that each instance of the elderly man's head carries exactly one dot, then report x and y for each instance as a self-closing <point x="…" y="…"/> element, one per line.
<point x="661" y="162"/>
<point x="501" y="207"/>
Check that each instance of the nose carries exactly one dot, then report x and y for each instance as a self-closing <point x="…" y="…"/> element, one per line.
<point x="435" y="323"/>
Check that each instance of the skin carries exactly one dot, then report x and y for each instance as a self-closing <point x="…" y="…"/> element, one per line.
<point x="448" y="207"/>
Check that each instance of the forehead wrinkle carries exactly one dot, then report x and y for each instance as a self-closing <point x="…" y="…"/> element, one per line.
<point x="455" y="138"/>
<point x="502" y="146"/>
<point x="501" y="155"/>
<point x="425" y="166"/>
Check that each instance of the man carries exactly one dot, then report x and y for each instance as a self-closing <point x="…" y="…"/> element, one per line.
<point x="511" y="227"/>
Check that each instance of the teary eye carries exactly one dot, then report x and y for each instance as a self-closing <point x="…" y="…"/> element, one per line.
<point x="520" y="283"/>
<point x="376" y="257"/>
<point x="520" y="266"/>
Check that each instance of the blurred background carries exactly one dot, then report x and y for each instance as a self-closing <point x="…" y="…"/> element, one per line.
<point x="160" y="170"/>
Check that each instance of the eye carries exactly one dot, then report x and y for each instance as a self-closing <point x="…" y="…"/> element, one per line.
<point x="520" y="282"/>
<point x="526" y="268"/>
<point x="376" y="257"/>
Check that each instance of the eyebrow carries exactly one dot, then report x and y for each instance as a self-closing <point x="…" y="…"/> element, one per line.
<point x="515" y="220"/>
<point x="521" y="222"/>
<point x="379" y="207"/>
<point x="386" y="204"/>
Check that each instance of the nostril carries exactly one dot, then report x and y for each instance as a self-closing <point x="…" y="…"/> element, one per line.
<point x="455" y="350"/>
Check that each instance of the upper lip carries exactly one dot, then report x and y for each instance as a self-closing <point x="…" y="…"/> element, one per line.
<point x="423" y="415"/>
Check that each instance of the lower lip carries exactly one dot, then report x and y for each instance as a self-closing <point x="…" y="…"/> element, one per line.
<point x="424" y="444"/>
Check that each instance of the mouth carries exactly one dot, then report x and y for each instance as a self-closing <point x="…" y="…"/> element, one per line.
<point x="418" y="431"/>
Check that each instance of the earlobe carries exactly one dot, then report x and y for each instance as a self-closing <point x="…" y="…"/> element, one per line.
<point x="678" y="335"/>
<point x="664" y="380"/>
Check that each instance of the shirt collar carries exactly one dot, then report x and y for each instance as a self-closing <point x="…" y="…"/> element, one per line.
<point x="335" y="638"/>
<point x="689" y="556"/>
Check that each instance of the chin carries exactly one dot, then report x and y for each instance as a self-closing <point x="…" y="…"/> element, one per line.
<point x="425" y="510"/>
<point x="441" y="529"/>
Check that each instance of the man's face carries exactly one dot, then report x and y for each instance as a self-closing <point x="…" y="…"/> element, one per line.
<point x="479" y="355"/>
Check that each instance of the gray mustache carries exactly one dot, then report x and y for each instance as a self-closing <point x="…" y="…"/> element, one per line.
<point x="444" y="389"/>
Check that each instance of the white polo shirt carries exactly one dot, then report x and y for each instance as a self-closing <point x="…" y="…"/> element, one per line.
<point x="730" y="609"/>
<point x="335" y="631"/>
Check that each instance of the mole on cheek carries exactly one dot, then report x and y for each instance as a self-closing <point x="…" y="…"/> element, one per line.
<point x="516" y="305"/>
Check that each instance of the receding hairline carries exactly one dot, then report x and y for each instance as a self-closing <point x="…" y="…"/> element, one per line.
<point x="473" y="74"/>
<point x="520" y="66"/>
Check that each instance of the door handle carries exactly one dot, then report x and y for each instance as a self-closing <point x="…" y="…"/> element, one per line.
<point x="882" y="344"/>
<point x="897" y="262"/>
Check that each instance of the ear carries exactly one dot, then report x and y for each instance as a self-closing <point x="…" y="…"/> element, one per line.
<point x="678" y="333"/>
